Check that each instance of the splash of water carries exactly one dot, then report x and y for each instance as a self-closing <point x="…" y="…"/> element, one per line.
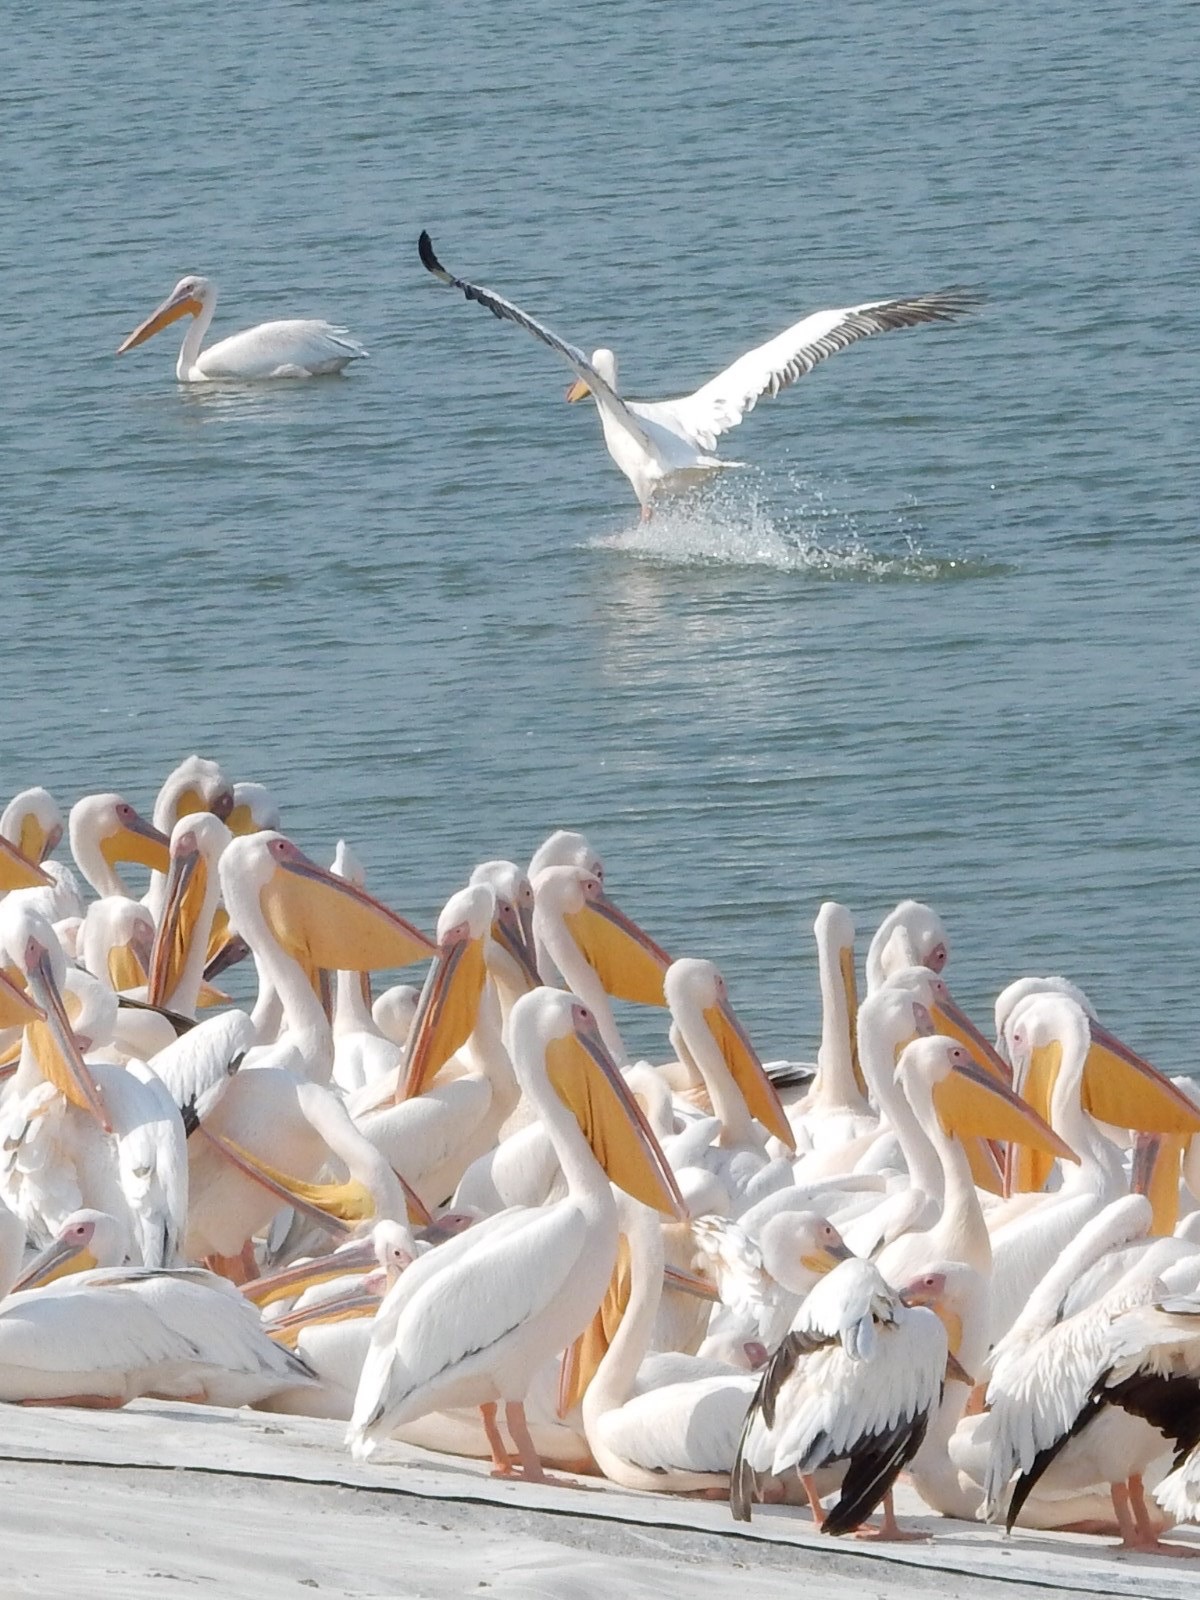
<point x="731" y="524"/>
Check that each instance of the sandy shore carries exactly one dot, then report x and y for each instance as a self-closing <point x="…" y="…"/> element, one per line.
<point x="165" y="1500"/>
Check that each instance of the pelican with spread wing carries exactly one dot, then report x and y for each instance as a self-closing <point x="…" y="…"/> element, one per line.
<point x="667" y="445"/>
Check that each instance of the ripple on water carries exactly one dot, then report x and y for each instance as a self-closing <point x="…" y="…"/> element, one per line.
<point x="732" y="523"/>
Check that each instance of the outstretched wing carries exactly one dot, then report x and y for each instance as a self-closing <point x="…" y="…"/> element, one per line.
<point x="507" y="312"/>
<point x="726" y="399"/>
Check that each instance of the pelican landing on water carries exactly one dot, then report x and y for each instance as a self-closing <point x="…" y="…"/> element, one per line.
<point x="667" y="445"/>
<point x="296" y="348"/>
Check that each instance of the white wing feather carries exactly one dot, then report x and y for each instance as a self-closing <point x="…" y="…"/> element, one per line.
<point x="722" y="402"/>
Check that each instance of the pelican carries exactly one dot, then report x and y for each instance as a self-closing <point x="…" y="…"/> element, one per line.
<point x="855" y="1381"/>
<point x="913" y="935"/>
<point x="103" y="1335"/>
<point x="32" y="823"/>
<point x="834" y="1109"/>
<point x="1087" y="1398"/>
<point x="296" y="348"/>
<point x="470" y="1323"/>
<point x="665" y="445"/>
<point x="104" y="831"/>
<point x="681" y="1436"/>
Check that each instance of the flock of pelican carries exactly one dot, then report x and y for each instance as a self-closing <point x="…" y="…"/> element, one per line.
<point x="460" y="1214"/>
<point x="662" y="447"/>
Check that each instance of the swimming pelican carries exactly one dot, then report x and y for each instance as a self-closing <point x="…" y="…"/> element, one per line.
<point x="296" y="348"/>
<point x="471" y="1323"/>
<point x="666" y="445"/>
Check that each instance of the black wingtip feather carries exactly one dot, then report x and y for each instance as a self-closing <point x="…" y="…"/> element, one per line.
<point x="425" y="250"/>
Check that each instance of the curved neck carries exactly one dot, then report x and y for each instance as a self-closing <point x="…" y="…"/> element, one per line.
<point x="581" y="979"/>
<point x="1100" y="1164"/>
<point x="189" y="350"/>
<point x="613" y="1381"/>
<point x="304" y="1021"/>
<point x="727" y="1100"/>
<point x="960" y="1233"/>
<point x="920" y="1157"/>
<point x="89" y="858"/>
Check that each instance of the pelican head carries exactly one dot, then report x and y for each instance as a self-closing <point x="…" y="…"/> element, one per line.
<point x="33" y="823"/>
<point x="196" y="784"/>
<point x="198" y="841"/>
<point x="564" y="848"/>
<point x="254" y="808"/>
<point x="512" y="928"/>
<point x="629" y="964"/>
<point x="449" y="1003"/>
<point x="800" y="1245"/>
<point x="190" y="297"/>
<point x="605" y="364"/>
<point x="86" y="1239"/>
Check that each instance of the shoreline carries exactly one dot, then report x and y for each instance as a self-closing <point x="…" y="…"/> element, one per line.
<point x="162" y="1498"/>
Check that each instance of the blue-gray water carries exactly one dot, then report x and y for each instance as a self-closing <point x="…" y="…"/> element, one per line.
<point x="939" y="638"/>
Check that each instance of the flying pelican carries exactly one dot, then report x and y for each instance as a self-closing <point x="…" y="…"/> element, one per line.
<point x="296" y="348"/>
<point x="471" y="1323"/>
<point x="666" y="445"/>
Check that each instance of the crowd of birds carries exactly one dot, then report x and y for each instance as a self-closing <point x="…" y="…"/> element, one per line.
<point x="461" y="1216"/>
<point x="664" y="447"/>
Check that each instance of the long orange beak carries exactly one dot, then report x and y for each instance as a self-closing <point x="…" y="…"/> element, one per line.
<point x="170" y="311"/>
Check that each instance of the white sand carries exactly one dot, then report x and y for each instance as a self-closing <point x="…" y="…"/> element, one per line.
<point x="158" y="1501"/>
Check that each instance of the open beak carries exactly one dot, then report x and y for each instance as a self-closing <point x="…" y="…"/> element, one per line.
<point x="627" y="961"/>
<point x="446" y="1012"/>
<point x="590" y="1085"/>
<point x="973" y="1104"/>
<point x="57" y="1260"/>
<point x="225" y="948"/>
<point x="747" y="1071"/>
<point x="56" y="1048"/>
<point x="340" y="1207"/>
<point x="187" y="884"/>
<point x="172" y="308"/>
<point x="17" y="871"/>
<point x="326" y="921"/>
<point x="578" y="391"/>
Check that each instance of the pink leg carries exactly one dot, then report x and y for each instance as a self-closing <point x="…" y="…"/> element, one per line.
<point x="814" y="1500"/>
<point x="889" y="1528"/>
<point x="502" y="1466"/>
<point x="532" y="1469"/>
<point x="1144" y="1528"/>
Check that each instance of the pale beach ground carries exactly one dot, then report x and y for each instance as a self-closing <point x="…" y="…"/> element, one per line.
<point x="161" y="1501"/>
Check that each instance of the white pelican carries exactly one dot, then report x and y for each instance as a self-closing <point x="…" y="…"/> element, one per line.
<point x="854" y="1382"/>
<point x="106" y="830"/>
<point x="834" y="1109"/>
<point x="1087" y="1399"/>
<point x="599" y="950"/>
<point x="913" y="935"/>
<point x="681" y="1436"/>
<point x="103" y="1336"/>
<point x="471" y="1323"/>
<point x="32" y="823"/>
<point x="744" y="1102"/>
<point x="191" y="894"/>
<point x="1051" y="1045"/>
<point x="296" y="348"/>
<point x="665" y="445"/>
